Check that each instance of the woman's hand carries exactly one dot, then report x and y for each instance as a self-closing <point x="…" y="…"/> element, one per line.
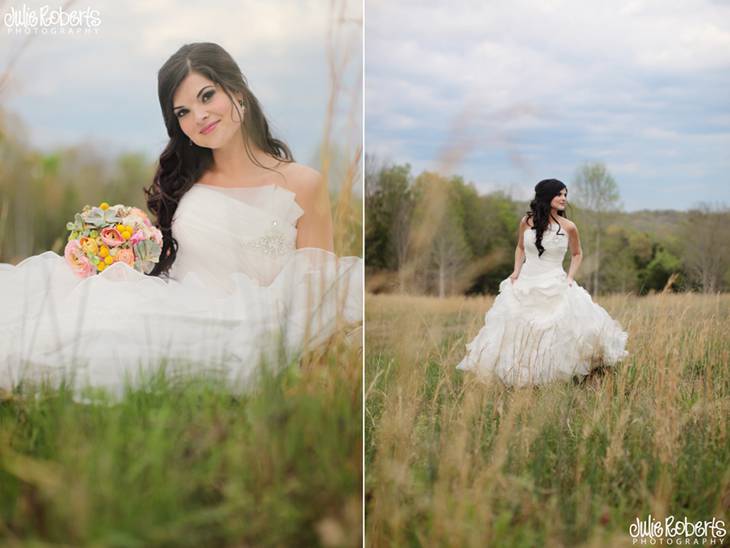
<point x="513" y="277"/>
<point x="570" y="281"/>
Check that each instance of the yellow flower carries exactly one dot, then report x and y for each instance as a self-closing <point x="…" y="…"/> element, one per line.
<point x="108" y="259"/>
<point x="104" y="251"/>
<point x="104" y="206"/>
<point x="126" y="234"/>
<point x="101" y="266"/>
<point x="119" y="228"/>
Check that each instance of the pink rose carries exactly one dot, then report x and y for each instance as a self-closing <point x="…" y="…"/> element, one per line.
<point x="125" y="256"/>
<point x="137" y="237"/>
<point x="111" y="237"/>
<point x="77" y="260"/>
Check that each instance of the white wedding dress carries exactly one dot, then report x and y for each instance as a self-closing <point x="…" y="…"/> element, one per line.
<point x="239" y="292"/>
<point x="540" y="328"/>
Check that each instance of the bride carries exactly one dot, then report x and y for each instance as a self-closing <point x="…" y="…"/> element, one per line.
<point x="247" y="272"/>
<point x="543" y="326"/>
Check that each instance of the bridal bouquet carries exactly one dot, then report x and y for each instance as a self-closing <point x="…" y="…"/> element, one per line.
<point x="104" y="235"/>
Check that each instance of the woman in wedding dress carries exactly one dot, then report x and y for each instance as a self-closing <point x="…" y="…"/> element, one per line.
<point x="247" y="273"/>
<point x="543" y="326"/>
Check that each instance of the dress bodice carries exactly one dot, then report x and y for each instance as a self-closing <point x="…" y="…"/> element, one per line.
<point x="221" y="231"/>
<point x="555" y="243"/>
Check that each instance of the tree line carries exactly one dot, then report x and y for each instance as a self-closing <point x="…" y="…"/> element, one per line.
<point x="434" y="234"/>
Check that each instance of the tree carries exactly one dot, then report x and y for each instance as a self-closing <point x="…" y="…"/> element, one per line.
<point x="389" y="205"/>
<point x="597" y="191"/>
<point x="490" y="224"/>
<point x="621" y="272"/>
<point x="439" y="246"/>
<point x="707" y="246"/>
<point x="449" y="253"/>
<point x="663" y="267"/>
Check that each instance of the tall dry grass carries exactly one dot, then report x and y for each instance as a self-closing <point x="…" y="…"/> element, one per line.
<point x="452" y="461"/>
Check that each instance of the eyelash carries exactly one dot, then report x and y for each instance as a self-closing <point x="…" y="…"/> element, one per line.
<point x="208" y="94"/>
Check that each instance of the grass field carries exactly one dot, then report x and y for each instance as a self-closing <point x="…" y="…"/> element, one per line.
<point x="189" y="464"/>
<point x="452" y="461"/>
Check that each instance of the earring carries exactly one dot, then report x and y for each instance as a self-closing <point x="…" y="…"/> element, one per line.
<point x="190" y="141"/>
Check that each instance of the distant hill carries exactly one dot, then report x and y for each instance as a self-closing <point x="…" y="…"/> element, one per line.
<point x="661" y="223"/>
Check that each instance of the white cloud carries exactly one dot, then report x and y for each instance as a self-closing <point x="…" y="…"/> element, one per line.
<point x="636" y="84"/>
<point x="248" y="28"/>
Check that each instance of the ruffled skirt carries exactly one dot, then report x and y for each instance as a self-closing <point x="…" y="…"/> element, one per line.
<point x="541" y="329"/>
<point x="117" y="326"/>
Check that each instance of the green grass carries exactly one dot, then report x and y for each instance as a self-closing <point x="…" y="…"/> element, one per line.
<point x="452" y="461"/>
<point x="189" y="464"/>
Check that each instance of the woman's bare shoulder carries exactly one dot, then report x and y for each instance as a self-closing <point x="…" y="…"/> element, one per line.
<point x="568" y="225"/>
<point x="302" y="179"/>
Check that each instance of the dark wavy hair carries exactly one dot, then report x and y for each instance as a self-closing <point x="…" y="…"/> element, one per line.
<point x="539" y="212"/>
<point x="183" y="163"/>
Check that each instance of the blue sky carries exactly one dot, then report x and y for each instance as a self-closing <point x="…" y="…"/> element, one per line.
<point x="508" y="93"/>
<point x="102" y="88"/>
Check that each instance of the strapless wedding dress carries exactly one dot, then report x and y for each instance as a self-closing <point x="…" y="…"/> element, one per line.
<point x="540" y="328"/>
<point x="238" y="293"/>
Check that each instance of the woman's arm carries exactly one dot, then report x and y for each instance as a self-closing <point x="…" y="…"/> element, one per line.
<point x="314" y="227"/>
<point x="519" y="250"/>
<point x="576" y="253"/>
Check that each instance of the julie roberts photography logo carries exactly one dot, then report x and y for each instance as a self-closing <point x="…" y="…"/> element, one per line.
<point x="51" y="20"/>
<point x="672" y="531"/>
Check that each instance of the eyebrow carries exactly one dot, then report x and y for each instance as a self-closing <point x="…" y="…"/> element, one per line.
<point x="197" y="96"/>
